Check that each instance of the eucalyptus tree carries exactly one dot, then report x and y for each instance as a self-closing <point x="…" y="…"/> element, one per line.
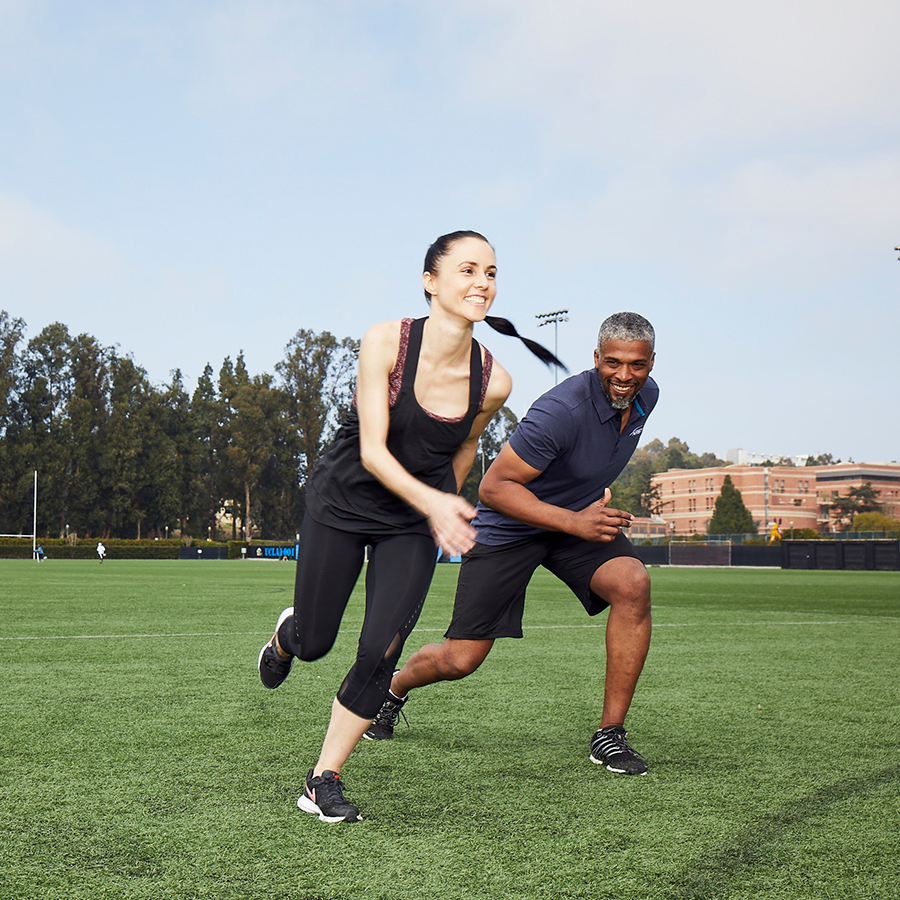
<point x="187" y="459"/>
<point x="11" y="333"/>
<point x="132" y="452"/>
<point x="232" y="377"/>
<point x="205" y="417"/>
<point x="255" y="426"/>
<point x="317" y="376"/>
<point x="88" y="415"/>
<point x="43" y="435"/>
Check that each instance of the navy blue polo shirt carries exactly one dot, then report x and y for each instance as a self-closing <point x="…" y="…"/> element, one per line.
<point x="571" y="434"/>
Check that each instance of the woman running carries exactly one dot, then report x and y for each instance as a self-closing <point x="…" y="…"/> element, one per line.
<point x="425" y="392"/>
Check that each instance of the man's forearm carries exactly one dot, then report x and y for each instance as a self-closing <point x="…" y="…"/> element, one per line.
<point x="516" y="501"/>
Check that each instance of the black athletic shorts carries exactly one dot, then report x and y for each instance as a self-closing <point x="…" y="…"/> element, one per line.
<point x="490" y="593"/>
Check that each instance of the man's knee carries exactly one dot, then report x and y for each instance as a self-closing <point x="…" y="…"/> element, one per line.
<point x="624" y="582"/>
<point x="462" y="658"/>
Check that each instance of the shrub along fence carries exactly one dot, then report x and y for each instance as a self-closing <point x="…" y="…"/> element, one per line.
<point x="842" y="554"/>
<point x="174" y="548"/>
<point x="116" y="548"/>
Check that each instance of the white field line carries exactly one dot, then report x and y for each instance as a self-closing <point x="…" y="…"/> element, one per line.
<point x="195" y="634"/>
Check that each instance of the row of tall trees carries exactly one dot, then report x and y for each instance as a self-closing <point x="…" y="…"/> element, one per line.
<point x="119" y="456"/>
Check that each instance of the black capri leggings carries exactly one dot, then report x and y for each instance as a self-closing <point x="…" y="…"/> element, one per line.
<point x="397" y="579"/>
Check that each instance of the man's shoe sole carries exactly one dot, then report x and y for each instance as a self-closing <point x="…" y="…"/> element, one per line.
<point x="600" y="762"/>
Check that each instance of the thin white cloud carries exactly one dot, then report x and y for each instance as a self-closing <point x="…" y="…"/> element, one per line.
<point x="804" y="220"/>
<point x="295" y="55"/>
<point x="686" y="73"/>
<point x="799" y="220"/>
<point x="42" y="258"/>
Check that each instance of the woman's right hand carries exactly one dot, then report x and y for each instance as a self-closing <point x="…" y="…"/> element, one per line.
<point x="449" y="518"/>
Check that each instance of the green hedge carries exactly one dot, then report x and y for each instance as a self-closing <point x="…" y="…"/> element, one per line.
<point x="116" y="548"/>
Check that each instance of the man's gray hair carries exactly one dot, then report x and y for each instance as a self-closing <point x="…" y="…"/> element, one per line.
<point x="626" y="326"/>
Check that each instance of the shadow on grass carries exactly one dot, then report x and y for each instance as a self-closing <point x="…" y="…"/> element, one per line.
<point x="709" y="876"/>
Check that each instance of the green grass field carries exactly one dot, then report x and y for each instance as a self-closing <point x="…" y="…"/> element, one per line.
<point x="141" y="757"/>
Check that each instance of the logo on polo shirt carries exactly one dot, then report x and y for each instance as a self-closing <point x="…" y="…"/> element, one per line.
<point x="637" y="430"/>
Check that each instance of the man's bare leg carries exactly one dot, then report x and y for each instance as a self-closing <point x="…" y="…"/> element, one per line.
<point x="625" y="585"/>
<point x="449" y="661"/>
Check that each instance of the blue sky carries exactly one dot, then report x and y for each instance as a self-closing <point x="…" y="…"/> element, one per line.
<point x="188" y="180"/>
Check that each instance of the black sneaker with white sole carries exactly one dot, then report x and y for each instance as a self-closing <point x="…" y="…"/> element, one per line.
<point x="382" y="727"/>
<point x="610" y="748"/>
<point x="324" y="796"/>
<point x="274" y="668"/>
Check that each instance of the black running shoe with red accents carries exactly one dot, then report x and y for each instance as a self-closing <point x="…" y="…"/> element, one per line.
<point x="610" y="748"/>
<point x="324" y="796"/>
<point x="274" y="668"/>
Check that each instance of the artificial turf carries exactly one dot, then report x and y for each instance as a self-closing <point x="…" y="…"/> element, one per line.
<point x="141" y="757"/>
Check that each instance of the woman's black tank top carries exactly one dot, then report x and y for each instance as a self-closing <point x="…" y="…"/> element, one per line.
<point x="343" y="495"/>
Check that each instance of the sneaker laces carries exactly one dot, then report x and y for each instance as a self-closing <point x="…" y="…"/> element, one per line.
<point x="330" y="788"/>
<point x="390" y="713"/>
<point x="614" y="738"/>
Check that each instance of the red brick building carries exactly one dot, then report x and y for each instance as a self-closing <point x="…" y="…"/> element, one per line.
<point x="785" y="494"/>
<point x="643" y="528"/>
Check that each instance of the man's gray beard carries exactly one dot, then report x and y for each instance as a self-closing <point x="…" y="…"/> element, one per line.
<point x="616" y="404"/>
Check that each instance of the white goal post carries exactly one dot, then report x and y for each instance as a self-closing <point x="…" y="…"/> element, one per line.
<point x="700" y="553"/>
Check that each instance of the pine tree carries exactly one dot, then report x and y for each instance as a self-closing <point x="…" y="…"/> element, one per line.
<point x="731" y="516"/>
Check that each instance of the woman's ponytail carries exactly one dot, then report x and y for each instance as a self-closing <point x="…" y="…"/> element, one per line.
<point x="504" y="326"/>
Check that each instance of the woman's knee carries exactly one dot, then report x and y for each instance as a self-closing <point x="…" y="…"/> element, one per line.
<point x="312" y="649"/>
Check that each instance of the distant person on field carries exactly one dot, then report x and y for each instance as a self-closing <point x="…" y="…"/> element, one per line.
<point x="425" y="391"/>
<point x="544" y="503"/>
<point x="40" y="553"/>
<point x="101" y="551"/>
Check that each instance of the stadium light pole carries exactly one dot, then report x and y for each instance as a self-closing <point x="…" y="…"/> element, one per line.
<point x="554" y="318"/>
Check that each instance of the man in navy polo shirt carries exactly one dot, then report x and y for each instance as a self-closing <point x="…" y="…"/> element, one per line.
<point x="544" y="503"/>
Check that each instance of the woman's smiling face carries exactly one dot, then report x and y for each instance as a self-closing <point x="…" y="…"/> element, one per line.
<point x="466" y="279"/>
